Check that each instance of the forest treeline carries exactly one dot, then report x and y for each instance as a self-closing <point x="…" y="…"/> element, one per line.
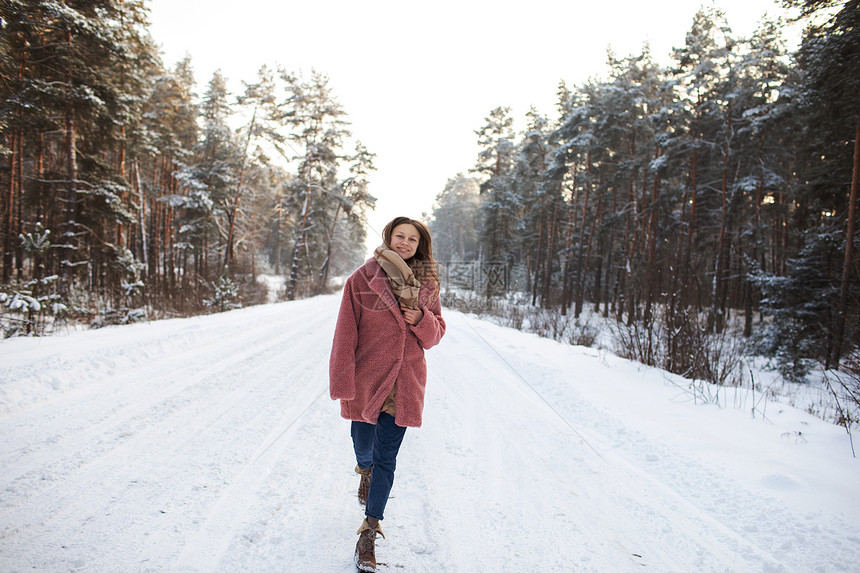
<point x="682" y="199"/>
<point x="128" y="195"/>
<point x="717" y="191"/>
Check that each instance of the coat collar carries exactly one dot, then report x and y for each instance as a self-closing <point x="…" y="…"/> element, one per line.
<point x="378" y="282"/>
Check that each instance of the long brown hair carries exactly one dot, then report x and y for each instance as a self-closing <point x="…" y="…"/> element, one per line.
<point x="422" y="262"/>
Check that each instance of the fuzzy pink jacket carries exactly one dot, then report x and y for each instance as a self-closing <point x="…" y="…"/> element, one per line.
<point x="373" y="348"/>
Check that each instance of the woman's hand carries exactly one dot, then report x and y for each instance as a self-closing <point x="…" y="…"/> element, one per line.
<point x="412" y="316"/>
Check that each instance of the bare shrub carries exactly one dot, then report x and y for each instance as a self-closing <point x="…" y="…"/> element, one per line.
<point x="548" y="323"/>
<point x="639" y="341"/>
<point x="681" y="344"/>
<point x="683" y="341"/>
<point x="721" y="359"/>
<point x="515" y="317"/>
<point x="582" y="334"/>
<point x="844" y="384"/>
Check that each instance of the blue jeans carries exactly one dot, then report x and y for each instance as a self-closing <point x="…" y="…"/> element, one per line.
<point x="376" y="446"/>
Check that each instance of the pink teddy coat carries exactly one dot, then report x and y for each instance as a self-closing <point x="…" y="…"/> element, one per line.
<point x="374" y="348"/>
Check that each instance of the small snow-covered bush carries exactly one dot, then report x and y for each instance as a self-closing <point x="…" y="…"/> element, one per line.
<point x="117" y="316"/>
<point x="225" y="295"/>
<point x="30" y="308"/>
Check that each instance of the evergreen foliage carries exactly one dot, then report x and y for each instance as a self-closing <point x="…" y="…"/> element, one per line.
<point x="124" y="196"/>
<point x="716" y="193"/>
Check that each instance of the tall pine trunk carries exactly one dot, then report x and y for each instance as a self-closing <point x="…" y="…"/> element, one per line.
<point x="299" y="246"/>
<point x="228" y="249"/>
<point x="323" y="275"/>
<point x="756" y="254"/>
<point x="538" y="257"/>
<point x="19" y="215"/>
<point x="583" y="259"/>
<point x="689" y="298"/>
<point x="70" y="224"/>
<point x="143" y="251"/>
<point x="718" y="294"/>
<point x="550" y="238"/>
<point x="848" y="264"/>
<point x="567" y="289"/>
<point x="652" y="273"/>
<point x="9" y="208"/>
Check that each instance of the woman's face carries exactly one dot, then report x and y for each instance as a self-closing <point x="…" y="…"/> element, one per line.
<point x="405" y="239"/>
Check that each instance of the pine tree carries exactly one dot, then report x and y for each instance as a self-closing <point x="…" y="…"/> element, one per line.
<point x="537" y="228"/>
<point x="500" y="205"/>
<point x="102" y="155"/>
<point x="575" y="146"/>
<point x="699" y="69"/>
<point x="78" y="68"/>
<point x="353" y="199"/>
<point x="456" y="220"/>
<point x="763" y="118"/>
<point x="216" y="169"/>
<point x="262" y="128"/>
<point x="827" y="172"/>
<point x="318" y="130"/>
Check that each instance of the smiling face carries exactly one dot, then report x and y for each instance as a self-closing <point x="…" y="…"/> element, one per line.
<point x="405" y="239"/>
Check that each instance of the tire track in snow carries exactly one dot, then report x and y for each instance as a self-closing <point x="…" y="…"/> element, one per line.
<point x="250" y="468"/>
<point x="499" y="453"/>
<point x="217" y="522"/>
<point x="651" y="498"/>
<point x="206" y="547"/>
<point x="130" y="404"/>
<point x="149" y="426"/>
<point x="614" y="512"/>
<point x="33" y="424"/>
<point x="132" y="401"/>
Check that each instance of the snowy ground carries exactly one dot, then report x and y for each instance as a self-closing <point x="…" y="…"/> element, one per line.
<point x="210" y="444"/>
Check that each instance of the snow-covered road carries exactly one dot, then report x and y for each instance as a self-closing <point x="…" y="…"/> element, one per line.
<point x="210" y="444"/>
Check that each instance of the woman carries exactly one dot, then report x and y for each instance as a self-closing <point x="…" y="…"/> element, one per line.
<point x="390" y="314"/>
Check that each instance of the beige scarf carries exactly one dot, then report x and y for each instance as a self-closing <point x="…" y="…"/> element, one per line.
<point x="403" y="282"/>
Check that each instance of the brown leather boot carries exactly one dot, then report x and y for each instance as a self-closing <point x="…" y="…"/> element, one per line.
<point x="364" y="484"/>
<point x="365" y="549"/>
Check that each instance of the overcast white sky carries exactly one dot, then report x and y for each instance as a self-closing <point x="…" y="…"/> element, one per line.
<point x="417" y="78"/>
